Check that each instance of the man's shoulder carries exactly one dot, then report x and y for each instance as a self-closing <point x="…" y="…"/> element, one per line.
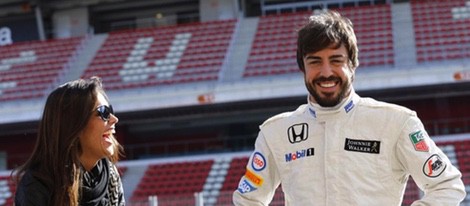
<point x="285" y="116"/>
<point x="385" y="107"/>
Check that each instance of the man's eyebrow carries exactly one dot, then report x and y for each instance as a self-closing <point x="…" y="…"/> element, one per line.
<point x="312" y="57"/>
<point x="337" y="56"/>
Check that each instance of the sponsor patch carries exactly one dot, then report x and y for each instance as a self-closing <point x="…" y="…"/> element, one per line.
<point x="254" y="178"/>
<point x="312" y="112"/>
<point x="366" y="146"/>
<point x="300" y="154"/>
<point x="258" y="162"/>
<point x="297" y="133"/>
<point x="349" y="106"/>
<point x="419" y="142"/>
<point x="244" y="187"/>
<point x="434" y="166"/>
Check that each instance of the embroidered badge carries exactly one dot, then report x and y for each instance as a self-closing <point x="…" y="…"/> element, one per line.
<point x="300" y="154"/>
<point x="297" y="133"/>
<point x="254" y="178"/>
<point x="434" y="166"/>
<point x="419" y="142"/>
<point x="258" y="161"/>
<point x="367" y="146"/>
<point x="349" y="106"/>
<point x="245" y="187"/>
<point x="313" y="113"/>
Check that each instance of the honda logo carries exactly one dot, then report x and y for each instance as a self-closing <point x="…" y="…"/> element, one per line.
<point x="297" y="133"/>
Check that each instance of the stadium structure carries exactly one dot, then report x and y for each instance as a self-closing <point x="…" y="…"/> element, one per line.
<point x="191" y="80"/>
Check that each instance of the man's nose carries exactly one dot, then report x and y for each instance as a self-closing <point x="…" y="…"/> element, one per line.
<point x="326" y="70"/>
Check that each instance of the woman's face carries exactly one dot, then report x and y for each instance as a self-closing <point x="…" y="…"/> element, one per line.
<point x="96" y="139"/>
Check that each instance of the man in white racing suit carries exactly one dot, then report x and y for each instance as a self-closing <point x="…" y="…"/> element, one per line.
<point x="339" y="148"/>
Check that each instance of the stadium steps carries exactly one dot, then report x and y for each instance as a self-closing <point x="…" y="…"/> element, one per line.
<point x="403" y="35"/>
<point x="6" y="189"/>
<point x="132" y="178"/>
<point x="238" y="54"/>
<point x="90" y="47"/>
<point x="212" y="186"/>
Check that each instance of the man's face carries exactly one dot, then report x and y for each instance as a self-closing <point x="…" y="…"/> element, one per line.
<point x="328" y="76"/>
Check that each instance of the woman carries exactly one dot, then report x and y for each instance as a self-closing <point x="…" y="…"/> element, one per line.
<point x="73" y="162"/>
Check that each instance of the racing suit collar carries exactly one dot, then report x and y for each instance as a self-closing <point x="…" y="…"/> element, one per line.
<point x="343" y="108"/>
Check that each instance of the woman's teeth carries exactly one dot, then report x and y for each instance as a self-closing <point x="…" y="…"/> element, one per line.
<point x="107" y="134"/>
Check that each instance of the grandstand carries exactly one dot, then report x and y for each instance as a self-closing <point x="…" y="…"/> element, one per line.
<point x="191" y="86"/>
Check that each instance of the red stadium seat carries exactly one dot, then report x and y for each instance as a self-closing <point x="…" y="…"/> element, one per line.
<point x="439" y="33"/>
<point x="28" y="69"/>
<point x="166" y="55"/>
<point x="173" y="178"/>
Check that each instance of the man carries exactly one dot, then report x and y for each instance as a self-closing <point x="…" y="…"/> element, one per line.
<point x="342" y="149"/>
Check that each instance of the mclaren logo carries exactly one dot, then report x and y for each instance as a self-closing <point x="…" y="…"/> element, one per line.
<point x="298" y="133"/>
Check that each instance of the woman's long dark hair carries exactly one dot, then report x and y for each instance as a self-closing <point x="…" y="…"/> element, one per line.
<point x="55" y="158"/>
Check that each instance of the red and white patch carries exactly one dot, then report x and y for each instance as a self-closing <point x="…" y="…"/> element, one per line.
<point x="434" y="166"/>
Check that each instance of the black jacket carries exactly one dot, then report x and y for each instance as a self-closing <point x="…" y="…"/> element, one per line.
<point x="96" y="188"/>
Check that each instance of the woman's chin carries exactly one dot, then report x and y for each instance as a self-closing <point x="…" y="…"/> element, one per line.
<point x="110" y="151"/>
<point x="108" y="148"/>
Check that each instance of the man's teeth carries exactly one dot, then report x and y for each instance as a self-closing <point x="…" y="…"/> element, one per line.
<point x="327" y="85"/>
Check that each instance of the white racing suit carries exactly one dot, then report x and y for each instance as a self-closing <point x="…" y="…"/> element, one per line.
<point x="358" y="153"/>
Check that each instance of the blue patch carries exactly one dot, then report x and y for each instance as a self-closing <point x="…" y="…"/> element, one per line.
<point x="258" y="162"/>
<point x="245" y="187"/>
<point x="312" y="112"/>
<point x="349" y="106"/>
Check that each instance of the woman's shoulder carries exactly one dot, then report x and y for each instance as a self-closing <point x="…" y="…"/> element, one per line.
<point x="31" y="191"/>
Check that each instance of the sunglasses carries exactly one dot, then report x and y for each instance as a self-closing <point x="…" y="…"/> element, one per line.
<point x="105" y="112"/>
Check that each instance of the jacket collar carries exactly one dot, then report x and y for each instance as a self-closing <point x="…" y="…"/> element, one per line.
<point x="343" y="108"/>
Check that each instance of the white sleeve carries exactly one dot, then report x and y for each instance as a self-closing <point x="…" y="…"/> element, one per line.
<point x="258" y="185"/>
<point x="430" y="168"/>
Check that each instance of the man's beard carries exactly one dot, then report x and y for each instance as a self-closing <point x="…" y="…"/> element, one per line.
<point x="329" y="100"/>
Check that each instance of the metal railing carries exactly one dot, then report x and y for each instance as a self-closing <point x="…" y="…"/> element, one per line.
<point x="266" y="7"/>
<point x="197" y="199"/>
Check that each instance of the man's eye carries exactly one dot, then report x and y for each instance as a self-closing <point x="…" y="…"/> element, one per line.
<point x="314" y="62"/>
<point x="337" y="61"/>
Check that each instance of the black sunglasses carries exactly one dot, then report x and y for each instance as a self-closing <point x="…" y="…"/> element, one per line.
<point x="105" y="112"/>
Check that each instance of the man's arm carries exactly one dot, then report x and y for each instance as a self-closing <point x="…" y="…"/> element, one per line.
<point x="430" y="168"/>
<point x="261" y="178"/>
